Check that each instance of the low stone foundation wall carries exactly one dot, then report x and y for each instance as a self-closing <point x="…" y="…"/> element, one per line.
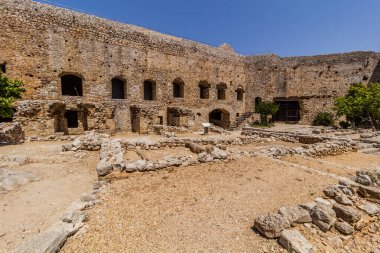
<point x="11" y="133"/>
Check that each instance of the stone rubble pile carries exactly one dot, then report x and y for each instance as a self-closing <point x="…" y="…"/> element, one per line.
<point x="11" y="133"/>
<point x="346" y="209"/>
<point x="368" y="178"/>
<point x="90" y="141"/>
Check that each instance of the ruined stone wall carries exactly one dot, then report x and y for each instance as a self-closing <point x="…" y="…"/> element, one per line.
<point x="312" y="80"/>
<point x="40" y="43"/>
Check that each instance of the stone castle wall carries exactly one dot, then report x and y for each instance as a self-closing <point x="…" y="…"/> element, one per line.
<point x="40" y="43"/>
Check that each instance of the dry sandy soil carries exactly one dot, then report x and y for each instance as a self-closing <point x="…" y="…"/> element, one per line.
<point x="206" y="207"/>
<point x="202" y="208"/>
<point x="57" y="179"/>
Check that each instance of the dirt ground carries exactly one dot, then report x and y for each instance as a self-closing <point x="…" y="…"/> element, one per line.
<point x="206" y="207"/>
<point x="58" y="180"/>
<point x="202" y="208"/>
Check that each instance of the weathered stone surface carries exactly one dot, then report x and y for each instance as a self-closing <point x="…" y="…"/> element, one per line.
<point x="294" y="242"/>
<point x="331" y="191"/>
<point x="344" y="228"/>
<point x="370" y="208"/>
<point x="323" y="217"/>
<point x="323" y="202"/>
<point x="195" y="148"/>
<point x="295" y="214"/>
<point x="217" y="153"/>
<point x="343" y="199"/>
<point x="370" y="192"/>
<point x="11" y="133"/>
<point x="364" y="180"/>
<point x="10" y="180"/>
<point x="271" y="225"/>
<point x="104" y="168"/>
<point x="44" y="103"/>
<point x="347" y="213"/>
<point x="49" y="241"/>
<point x="308" y="206"/>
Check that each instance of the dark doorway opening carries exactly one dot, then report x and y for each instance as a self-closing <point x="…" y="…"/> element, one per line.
<point x="220" y="117"/>
<point x="72" y="119"/>
<point x="118" y="88"/>
<point x="71" y="85"/>
<point x="288" y="112"/>
<point x="178" y="88"/>
<point x="174" y="117"/>
<point x="149" y="90"/>
<point x="135" y="119"/>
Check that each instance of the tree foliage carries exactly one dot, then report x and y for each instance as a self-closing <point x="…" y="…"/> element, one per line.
<point x="361" y="105"/>
<point x="266" y="108"/>
<point x="9" y="91"/>
<point x="323" y="119"/>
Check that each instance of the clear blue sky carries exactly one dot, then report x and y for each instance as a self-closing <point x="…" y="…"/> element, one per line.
<point x="283" y="27"/>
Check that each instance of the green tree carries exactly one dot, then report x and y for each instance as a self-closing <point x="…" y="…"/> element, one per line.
<point x="266" y="108"/>
<point x="360" y="105"/>
<point x="9" y="91"/>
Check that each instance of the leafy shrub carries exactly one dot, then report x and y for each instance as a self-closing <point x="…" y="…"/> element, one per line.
<point x="344" y="124"/>
<point x="9" y="91"/>
<point x="324" y="119"/>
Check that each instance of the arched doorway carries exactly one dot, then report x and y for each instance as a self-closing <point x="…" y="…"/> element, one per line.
<point x="220" y="118"/>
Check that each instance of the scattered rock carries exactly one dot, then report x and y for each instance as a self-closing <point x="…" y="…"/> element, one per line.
<point x="323" y="202"/>
<point x="364" y="180"/>
<point x="195" y="148"/>
<point x="295" y="214"/>
<point x="323" y="217"/>
<point x="104" y="168"/>
<point x="293" y="241"/>
<point x="370" y="208"/>
<point x="346" y="213"/>
<point x="343" y="199"/>
<point x="344" y="228"/>
<point x="370" y="192"/>
<point x="271" y="225"/>
<point x="332" y="191"/>
<point x="308" y="206"/>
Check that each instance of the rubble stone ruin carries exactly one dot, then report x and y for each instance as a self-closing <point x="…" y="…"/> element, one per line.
<point x="87" y="73"/>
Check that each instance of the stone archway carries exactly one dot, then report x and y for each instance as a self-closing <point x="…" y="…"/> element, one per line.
<point x="220" y="118"/>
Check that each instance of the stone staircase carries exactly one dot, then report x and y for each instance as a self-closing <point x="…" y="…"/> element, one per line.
<point x="241" y="119"/>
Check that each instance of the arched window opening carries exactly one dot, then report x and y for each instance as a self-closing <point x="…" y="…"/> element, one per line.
<point x="239" y="94"/>
<point x="118" y="88"/>
<point x="221" y="91"/>
<point x="72" y="119"/>
<point x="149" y="90"/>
<point x="257" y="102"/>
<point x="71" y="85"/>
<point x="204" y="90"/>
<point x="178" y="88"/>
